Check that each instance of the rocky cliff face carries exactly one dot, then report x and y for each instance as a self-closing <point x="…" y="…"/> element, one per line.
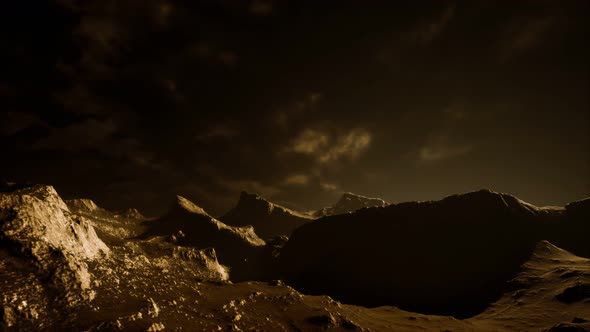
<point x="82" y="205"/>
<point x="41" y="238"/>
<point x="350" y="202"/>
<point x="268" y="219"/>
<point x="446" y="257"/>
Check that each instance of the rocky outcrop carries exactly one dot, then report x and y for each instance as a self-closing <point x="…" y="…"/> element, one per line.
<point x="111" y="227"/>
<point x="350" y="202"/>
<point x="82" y="205"/>
<point x="45" y="244"/>
<point x="133" y="213"/>
<point x="444" y="257"/>
<point x="187" y="224"/>
<point x="268" y="219"/>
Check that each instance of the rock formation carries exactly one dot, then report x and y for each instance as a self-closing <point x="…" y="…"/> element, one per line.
<point x="133" y="213"/>
<point x="82" y="204"/>
<point x="46" y="245"/>
<point x="189" y="225"/>
<point x="268" y="219"/>
<point x="350" y="202"/>
<point x="112" y="228"/>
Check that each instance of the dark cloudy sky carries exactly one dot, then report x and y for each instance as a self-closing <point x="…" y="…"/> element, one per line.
<point x="130" y="102"/>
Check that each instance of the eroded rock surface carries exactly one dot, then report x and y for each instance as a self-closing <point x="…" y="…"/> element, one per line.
<point x="46" y="250"/>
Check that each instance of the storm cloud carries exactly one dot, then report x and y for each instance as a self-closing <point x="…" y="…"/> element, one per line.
<point x="131" y="102"/>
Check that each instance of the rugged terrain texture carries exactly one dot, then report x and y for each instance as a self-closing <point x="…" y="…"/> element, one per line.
<point x="180" y="272"/>
<point x="268" y="219"/>
<point x="45" y="253"/>
<point x="187" y="224"/>
<point x="350" y="202"/>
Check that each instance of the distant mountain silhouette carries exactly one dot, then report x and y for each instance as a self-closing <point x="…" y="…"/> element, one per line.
<point x="268" y="219"/>
<point x="189" y="225"/>
<point x="350" y="202"/>
<point x="450" y="257"/>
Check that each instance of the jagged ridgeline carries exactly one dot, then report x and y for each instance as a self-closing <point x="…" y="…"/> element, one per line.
<point x="350" y="202"/>
<point x="490" y="259"/>
<point x="271" y="219"/>
<point x="187" y="224"/>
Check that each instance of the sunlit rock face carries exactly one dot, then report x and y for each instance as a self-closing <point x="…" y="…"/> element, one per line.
<point x="267" y="218"/>
<point x="82" y="204"/>
<point x="350" y="202"/>
<point x="445" y="257"/>
<point x="112" y="228"/>
<point x="45" y="244"/>
<point x="187" y="224"/>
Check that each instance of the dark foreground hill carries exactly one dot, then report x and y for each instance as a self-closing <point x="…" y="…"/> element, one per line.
<point x="449" y="257"/>
<point x="267" y="218"/>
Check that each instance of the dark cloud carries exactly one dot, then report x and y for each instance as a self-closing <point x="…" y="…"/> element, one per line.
<point x="129" y="102"/>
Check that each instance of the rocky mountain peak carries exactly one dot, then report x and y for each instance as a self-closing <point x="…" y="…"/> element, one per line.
<point x="268" y="219"/>
<point x="36" y="222"/>
<point x="82" y="205"/>
<point x="188" y="206"/>
<point x="252" y="201"/>
<point x="350" y="202"/>
<point x="39" y="211"/>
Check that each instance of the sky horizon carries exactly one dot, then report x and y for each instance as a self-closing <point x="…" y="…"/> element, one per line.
<point x="132" y="102"/>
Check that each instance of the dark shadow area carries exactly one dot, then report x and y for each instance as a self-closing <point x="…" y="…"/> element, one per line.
<point x="186" y="224"/>
<point x="449" y="257"/>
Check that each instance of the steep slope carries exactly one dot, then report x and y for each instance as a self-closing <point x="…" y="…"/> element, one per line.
<point x="187" y="224"/>
<point x="82" y="205"/>
<point x="111" y="227"/>
<point x="45" y="252"/>
<point x="553" y="282"/>
<point x="447" y="257"/>
<point x="268" y="219"/>
<point x="572" y="231"/>
<point x="350" y="202"/>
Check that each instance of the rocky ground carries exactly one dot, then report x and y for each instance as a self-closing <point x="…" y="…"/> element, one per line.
<point x="75" y="266"/>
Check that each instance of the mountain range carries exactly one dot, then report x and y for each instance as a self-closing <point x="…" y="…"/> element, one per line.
<point x="482" y="261"/>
